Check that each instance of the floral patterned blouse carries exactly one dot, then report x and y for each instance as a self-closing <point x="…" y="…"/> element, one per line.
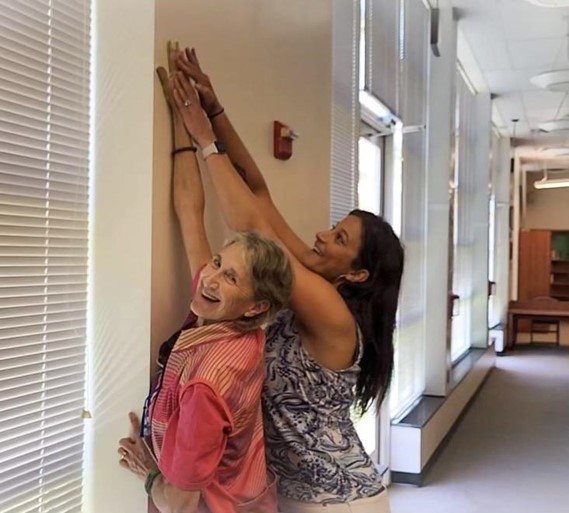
<point x="312" y="444"/>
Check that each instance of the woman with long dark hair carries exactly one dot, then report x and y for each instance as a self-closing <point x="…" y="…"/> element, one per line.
<point x="334" y="348"/>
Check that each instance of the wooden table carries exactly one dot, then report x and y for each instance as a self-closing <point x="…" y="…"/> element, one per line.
<point x="534" y="309"/>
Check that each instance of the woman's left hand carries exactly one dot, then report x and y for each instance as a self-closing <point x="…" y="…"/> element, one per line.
<point x="188" y="104"/>
<point x="134" y="454"/>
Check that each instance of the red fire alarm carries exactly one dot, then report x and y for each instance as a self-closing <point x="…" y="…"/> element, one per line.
<point x="283" y="137"/>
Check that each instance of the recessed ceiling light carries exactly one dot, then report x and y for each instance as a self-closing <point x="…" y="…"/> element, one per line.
<point x="559" y="125"/>
<point x="550" y="3"/>
<point x="554" y="80"/>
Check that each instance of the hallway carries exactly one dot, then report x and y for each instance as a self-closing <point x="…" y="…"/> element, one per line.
<point x="510" y="454"/>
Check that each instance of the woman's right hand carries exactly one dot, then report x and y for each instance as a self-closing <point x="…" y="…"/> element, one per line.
<point x="166" y="77"/>
<point x="188" y="63"/>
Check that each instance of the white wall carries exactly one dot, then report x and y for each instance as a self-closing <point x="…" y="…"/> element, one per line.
<point x="268" y="61"/>
<point x="119" y="322"/>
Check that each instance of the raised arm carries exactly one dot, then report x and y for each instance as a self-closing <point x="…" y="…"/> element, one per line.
<point x="187" y="185"/>
<point x="242" y="160"/>
<point x="327" y="326"/>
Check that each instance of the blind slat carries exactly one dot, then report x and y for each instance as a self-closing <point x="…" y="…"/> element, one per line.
<point x="28" y="474"/>
<point x="383" y="51"/>
<point x="61" y="384"/>
<point x="30" y="500"/>
<point x="343" y="176"/>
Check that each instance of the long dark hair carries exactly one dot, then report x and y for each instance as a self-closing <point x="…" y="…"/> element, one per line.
<point x="373" y="303"/>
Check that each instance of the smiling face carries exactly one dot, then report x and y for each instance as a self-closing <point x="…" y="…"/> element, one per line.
<point x="336" y="249"/>
<point x="225" y="291"/>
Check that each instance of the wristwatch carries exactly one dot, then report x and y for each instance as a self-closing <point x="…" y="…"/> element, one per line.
<point x="216" y="147"/>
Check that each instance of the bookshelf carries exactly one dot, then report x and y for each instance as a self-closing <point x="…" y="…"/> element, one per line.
<point x="560" y="265"/>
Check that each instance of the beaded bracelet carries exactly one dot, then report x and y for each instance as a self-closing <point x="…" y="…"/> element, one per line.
<point x="150" y="478"/>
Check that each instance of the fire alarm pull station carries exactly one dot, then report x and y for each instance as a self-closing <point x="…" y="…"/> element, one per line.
<point x="283" y="138"/>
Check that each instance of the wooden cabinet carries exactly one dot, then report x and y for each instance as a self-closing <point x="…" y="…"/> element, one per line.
<point x="534" y="264"/>
<point x="543" y="265"/>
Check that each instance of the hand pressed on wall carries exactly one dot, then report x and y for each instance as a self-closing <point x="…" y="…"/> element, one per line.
<point x="166" y="77"/>
<point x="189" y="64"/>
<point x="194" y="117"/>
<point x="134" y="454"/>
<point x="180" y="137"/>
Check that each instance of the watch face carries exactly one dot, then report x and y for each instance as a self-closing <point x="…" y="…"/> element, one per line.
<point x="220" y="146"/>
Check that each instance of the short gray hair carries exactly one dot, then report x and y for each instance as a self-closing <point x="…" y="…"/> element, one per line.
<point x="271" y="275"/>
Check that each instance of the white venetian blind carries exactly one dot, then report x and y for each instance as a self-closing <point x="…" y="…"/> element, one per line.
<point x="409" y="376"/>
<point x="44" y="152"/>
<point x="344" y="179"/>
<point x="383" y="49"/>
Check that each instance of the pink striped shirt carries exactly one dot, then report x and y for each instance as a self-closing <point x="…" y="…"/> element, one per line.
<point x="207" y="430"/>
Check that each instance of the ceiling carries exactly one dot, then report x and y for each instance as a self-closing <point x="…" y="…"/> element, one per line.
<point x="509" y="41"/>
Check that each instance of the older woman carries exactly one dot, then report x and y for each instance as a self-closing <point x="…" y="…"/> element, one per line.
<point x="206" y="448"/>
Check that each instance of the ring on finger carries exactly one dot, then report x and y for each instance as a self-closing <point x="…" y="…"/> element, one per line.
<point x="187" y="103"/>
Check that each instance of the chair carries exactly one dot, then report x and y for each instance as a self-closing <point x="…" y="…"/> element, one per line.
<point x="545" y="325"/>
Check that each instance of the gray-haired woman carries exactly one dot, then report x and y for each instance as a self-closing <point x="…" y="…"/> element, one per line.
<point x="202" y="420"/>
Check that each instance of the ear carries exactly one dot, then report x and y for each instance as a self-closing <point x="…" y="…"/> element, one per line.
<point x="258" y="308"/>
<point x="358" y="276"/>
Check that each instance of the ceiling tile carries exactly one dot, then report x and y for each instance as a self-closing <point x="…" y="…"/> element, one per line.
<point x="562" y="60"/>
<point x="492" y="55"/>
<point x="511" y="41"/>
<point x="525" y="54"/>
<point x="523" y="20"/>
<point x="543" y="100"/>
<point x="510" y="107"/>
<point x="504" y="82"/>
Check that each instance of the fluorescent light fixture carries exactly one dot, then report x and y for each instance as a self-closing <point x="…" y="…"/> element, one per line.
<point x="550" y="3"/>
<point x="559" y="125"/>
<point x="377" y="108"/>
<point x="553" y="80"/>
<point x="556" y="183"/>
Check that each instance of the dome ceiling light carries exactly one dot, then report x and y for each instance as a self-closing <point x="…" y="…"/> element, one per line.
<point x="550" y="3"/>
<point x="553" y="80"/>
<point x="558" y="125"/>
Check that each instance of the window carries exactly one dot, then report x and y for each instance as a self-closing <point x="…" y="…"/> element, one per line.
<point x="370" y="170"/>
<point x="409" y="216"/>
<point x="44" y="162"/>
<point x="465" y="190"/>
<point x="491" y="255"/>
